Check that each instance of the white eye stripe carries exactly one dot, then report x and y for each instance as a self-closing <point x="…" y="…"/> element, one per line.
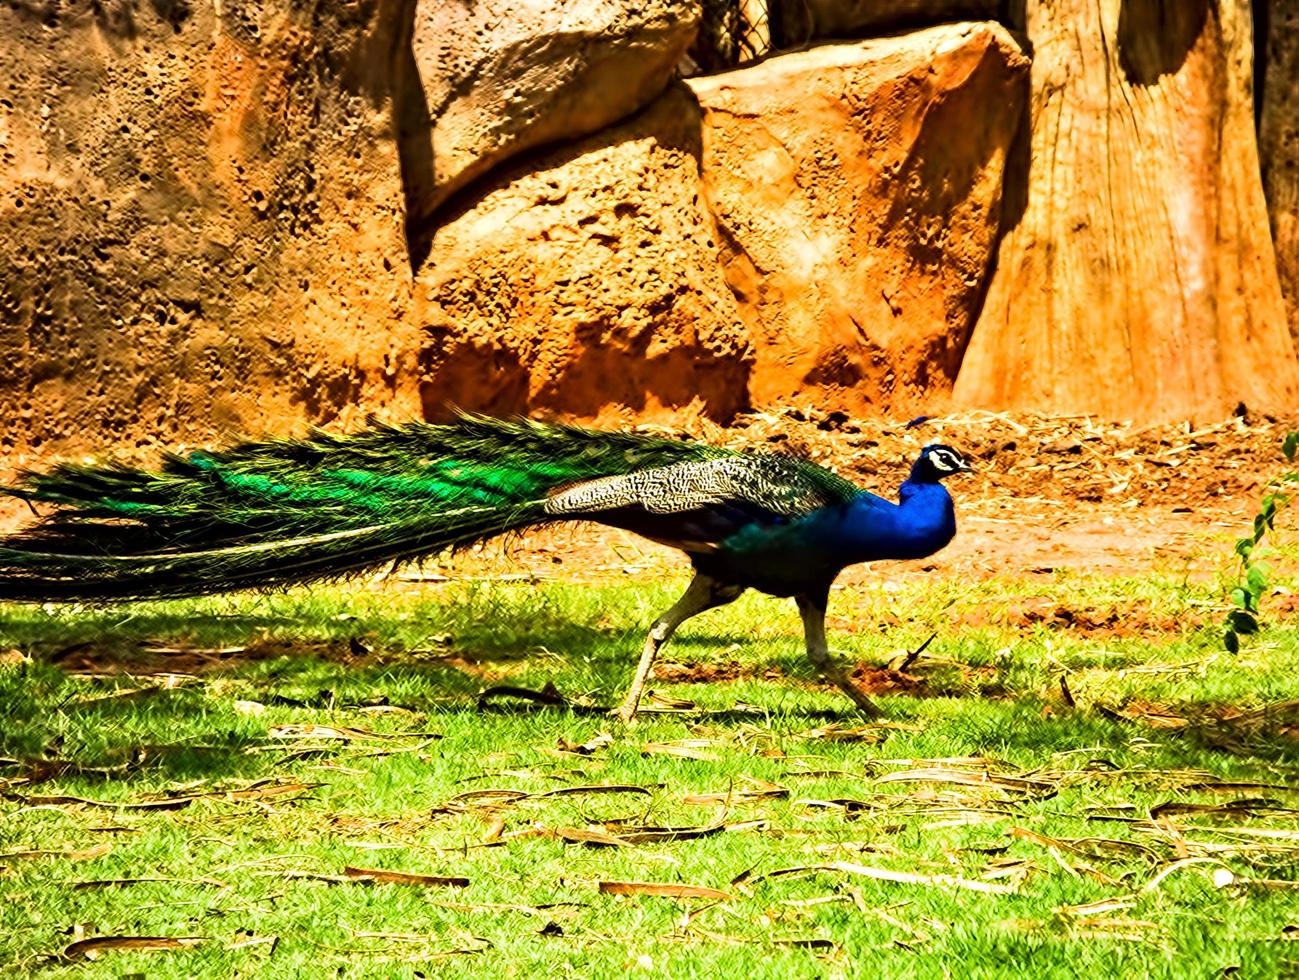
<point x="945" y="460"/>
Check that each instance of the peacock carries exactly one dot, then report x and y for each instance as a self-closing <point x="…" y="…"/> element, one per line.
<point x="282" y="511"/>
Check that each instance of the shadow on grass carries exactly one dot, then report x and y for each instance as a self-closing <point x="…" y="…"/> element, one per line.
<point x="307" y="657"/>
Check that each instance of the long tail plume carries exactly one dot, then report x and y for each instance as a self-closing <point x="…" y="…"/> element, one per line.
<point x="281" y="511"/>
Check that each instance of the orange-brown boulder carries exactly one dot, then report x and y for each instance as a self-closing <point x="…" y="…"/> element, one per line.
<point x="202" y="222"/>
<point x="1137" y="277"/>
<point x="857" y="191"/>
<point x="587" y="281"/>
<point x="815" y="227"/>
<point x="503" y="76"/>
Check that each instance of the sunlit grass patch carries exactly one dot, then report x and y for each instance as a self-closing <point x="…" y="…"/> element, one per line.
<point x="1045" y="794"/>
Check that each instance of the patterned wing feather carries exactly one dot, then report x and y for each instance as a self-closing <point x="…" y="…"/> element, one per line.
<point x="778" y="485"/>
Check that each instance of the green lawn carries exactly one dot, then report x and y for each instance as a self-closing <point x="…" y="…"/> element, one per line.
<point x="1162" y="797"/>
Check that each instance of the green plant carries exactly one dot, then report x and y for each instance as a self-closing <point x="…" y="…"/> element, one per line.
<point x="1252" y="577"/>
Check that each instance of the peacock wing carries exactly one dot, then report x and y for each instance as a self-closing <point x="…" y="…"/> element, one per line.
<point x="698" y="504"/>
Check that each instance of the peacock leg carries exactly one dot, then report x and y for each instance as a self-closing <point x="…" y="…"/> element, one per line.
<point x="703" y="593"/>
<point x="812" y="610"/>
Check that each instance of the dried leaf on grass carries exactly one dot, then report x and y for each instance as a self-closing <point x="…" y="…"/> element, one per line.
<point x="384" y="877"/>
<point x="171" y="682"/>
<point x="89" y="854"/>
<point x="757" y="789"/>
<point x="261" y="790"/>
<point x="1153" y="718"/>
<point x="850" y="808"/>
<point x="12" y="659"/>
<point x="595" y="838"/>
<point x="659" y="703"/>
<point x="309" y="876"/>
<point x="1114" y="927"/>
<point x="545" y="910"/>
<point x="1231" y="807"/>
<point x="490" y="796"/>
<point x="812" y="942"/>
<point x="1280" y="712"/>
<point x="1262" y="833"/>
<point x="91" y="948"/>
<point x="1265" y="884"/>
<point x="547" y="697"/>
<point x="834" y="732"/>
<point x="1093" y="847"/>
<point x="124" y="882"/>
<point x="369" y="876"/>
<point x="342" y="733"/>
<point x="618" y="834"/>
<point x="652" y="835"/>
<point x="911" y="878"/>
<point x="495" y="827"/>
<point x="978" y="763"/>
<point x="162" y="648"/>
<point x="250" y="940"/>
<point x="598" y="788"/>
<point x="1222" y="875"/>
<point x="1221" y="786"/>
<point x="165" y="803"/>
<point x="1017" y="785"/>
<point x="686" y="748"/>
<point x="1102" y="906"/>
<point x="664" y="890"/>
<point x="486" y="801"/>
<point x="900" y="877"/>
<point x="589" y="747"/>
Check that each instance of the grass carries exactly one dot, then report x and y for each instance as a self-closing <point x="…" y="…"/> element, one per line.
<point x="124" y="706"/>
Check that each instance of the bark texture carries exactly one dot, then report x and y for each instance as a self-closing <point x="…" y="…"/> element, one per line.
<point x="1279" y="142"/>
<point x="1136" y="277"/>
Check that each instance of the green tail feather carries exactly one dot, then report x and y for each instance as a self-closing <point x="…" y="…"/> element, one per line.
<point x="263" y="514"/>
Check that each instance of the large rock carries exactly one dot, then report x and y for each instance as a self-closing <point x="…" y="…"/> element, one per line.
<point x="589" y="281"/>
<point x="203" y="221"/>
<point x="1279" y="142"/>
<point x="833" y="212"/>
<point x="1137" y="278"/>
<point x="503" y="76"/>
<point x="857" y="189"/>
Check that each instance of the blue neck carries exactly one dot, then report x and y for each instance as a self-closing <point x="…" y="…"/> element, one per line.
<point x="922" y="522"/>
<point x="922" y="471"/>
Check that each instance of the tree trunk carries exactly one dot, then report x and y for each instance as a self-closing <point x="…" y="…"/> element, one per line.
<point x="1136" y="277"/>
<point x="1278" y="135"/>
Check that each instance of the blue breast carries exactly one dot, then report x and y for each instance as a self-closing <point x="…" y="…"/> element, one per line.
<point x="922" y="522"/>
<point x="790" y="558"/>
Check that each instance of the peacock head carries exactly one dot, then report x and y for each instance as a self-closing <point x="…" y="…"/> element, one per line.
<point x="936" y="462"/>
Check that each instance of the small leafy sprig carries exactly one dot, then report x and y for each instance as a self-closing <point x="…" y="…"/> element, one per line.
<point x="1252" y="577"/>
